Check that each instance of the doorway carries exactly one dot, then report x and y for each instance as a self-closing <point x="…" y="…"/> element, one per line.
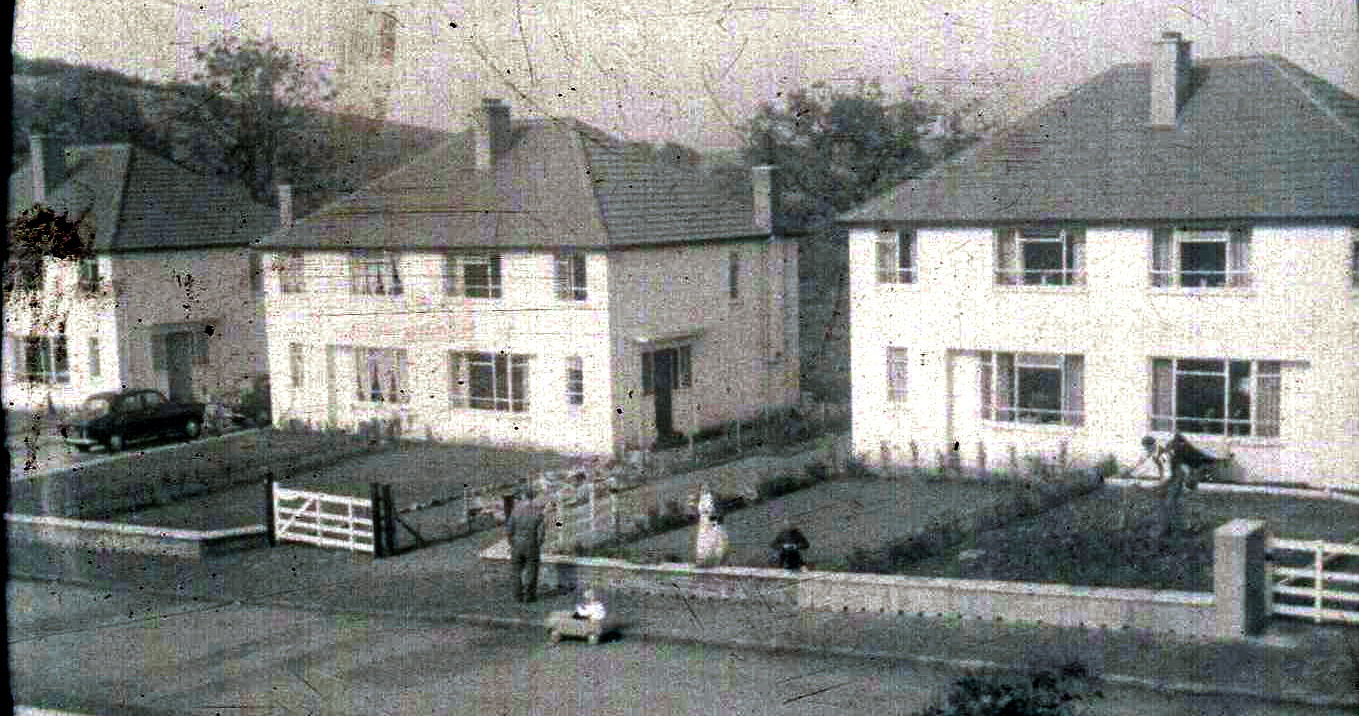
<point x="179" y="354"/>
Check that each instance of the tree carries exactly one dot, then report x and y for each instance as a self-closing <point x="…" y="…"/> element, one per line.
<point x="835" y="149"/>
<point x="254" y="120"/>
<point x="37" y="233"/>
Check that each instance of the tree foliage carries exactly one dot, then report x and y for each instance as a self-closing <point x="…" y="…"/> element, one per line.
<point x="37" y="233"/>
<point x="836" y="148"/>
<point x="1045" y="693"/>
<point x="257" y="113"/>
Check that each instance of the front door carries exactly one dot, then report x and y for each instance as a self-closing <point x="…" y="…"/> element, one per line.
<point x="665" y="382"/>
<point x="179" y="352"/>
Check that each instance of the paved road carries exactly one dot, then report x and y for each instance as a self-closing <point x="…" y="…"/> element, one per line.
<point x="95" y="651"/>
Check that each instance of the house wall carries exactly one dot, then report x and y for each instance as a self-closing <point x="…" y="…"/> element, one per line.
<point x="528" y="319"/>
<point x="1301" y="309"/>
<point x="83" y="315"/>
<point x="192" y="291"/>
<point x="744" y="351"/>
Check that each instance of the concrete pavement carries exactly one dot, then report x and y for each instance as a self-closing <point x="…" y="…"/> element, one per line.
<point x="1293" y="663"/>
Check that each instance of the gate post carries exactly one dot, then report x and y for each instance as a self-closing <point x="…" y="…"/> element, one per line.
<point x="388" y="519"/>
<point x="1240" y="587"/>
<point x="269" y="518"/>
<point x="375" y="511"/>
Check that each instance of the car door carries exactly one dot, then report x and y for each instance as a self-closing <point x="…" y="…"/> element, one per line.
<point x="128" y="417"/>
<point x="155" y="416"/>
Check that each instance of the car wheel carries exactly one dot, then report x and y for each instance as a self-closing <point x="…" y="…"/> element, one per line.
<point x="115" y="443"/>
<point x="192" y="429"/>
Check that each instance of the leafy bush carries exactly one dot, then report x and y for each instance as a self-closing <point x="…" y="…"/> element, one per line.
<point x="1045" y="693"/>
<point x="1108" y="467"/>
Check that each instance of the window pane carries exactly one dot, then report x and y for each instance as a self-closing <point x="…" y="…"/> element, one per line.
<point x="734" y="275"/>
<point x="1007" y="260"/>
<point x="1354" y="264"/>
<point x="1203" y="264"/>
<point x="1040" y="395"/>
<point x="450" y="275"/>
<point x="1240" y="258"/>
<point x="1005" y="376"/>
<point x="1161" y="272"/>
<point x="476" y="279"/>
<point x="1238" y="398"/>
<point x="1073" y="391"/>
<point x="94" y="358"/>
<point x="1162" y="395"/>
<point x="519" y="383"/>
<point x="1198" y="402"/>
<point x="984" y="389"/>
<point x="1042" y="263"/>
<point x="457" y="388"/>
<point x="896" y="374"/>
<point x="1269" y="385"/>
<point x="481" y="381"/>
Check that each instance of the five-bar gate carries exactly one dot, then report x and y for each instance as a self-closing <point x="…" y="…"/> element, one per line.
<point x="1315" y="579"/>
<point x="318" y="518"/>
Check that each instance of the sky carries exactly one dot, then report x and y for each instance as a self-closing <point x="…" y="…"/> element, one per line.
<point x="693" y="70"/>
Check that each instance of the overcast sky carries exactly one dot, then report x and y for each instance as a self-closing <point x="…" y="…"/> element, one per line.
<point x="692" y="70"/>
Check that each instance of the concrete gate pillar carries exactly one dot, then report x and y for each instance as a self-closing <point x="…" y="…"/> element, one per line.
<point x="1240" y="591"/>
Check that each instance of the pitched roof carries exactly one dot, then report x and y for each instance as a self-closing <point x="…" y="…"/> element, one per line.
<point x="561" y="183"/>
<point x="1258" y="138"/>
<point x="137" y="200"/>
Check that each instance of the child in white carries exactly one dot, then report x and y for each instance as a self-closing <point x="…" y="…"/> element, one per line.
<point x="592" y="608"/>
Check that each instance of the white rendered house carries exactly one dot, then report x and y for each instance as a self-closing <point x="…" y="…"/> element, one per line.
<point x="1171" y="247"/>
<point x="168" y="301"/>
<point x="533" y="283"/>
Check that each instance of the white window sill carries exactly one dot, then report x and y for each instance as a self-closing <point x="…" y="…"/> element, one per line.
<point x="1025" y="288"/>
<point x="494" y="414"/>
<point x="1232" y="291"/>
<point x="892" y="287"/>
<point x="1042" y="428"/>
<point x="1221" y="443"/>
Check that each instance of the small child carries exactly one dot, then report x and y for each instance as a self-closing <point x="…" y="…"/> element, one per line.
<point x="591" y="608"/>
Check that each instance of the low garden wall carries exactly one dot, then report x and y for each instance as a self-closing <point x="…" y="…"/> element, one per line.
<point x="185" y="544"/>
<point x="138" y="479"/>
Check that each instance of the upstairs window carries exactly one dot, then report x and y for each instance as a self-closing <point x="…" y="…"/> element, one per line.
<point x="1215" y="396"/>
<point x="570" y="276"/>
<point x="1040" y="257"/>
<point x="489" y="381"/>
<point x="94" y="358"/>
<point x="381" y="375"/>
<point x="472" y="275"/>
<point x="895" y="256"/>
<point x="375" y="273"/>
<point x="1041" y="388"/>
<point x="297" y="364"/>
<point x="23" y="273"/>
<point x="90" y="281"/>
<point x="1354" y="262"/>
<point x="256" y="268"/>
<point x="292" y="273"/>
<point x="1200" y="258"/>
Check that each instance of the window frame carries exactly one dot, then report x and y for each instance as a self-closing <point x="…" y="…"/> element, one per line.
<point x="391" y="364"/>
<point x="898" y="366"/>
<point x="1002" y="375"/>
<point x="892" y="265"/>
<point x="42" y="359"/>
<point x="683" y="363"/>
<point x="1168" y="256"/>
<point x="89" y="280"/>
<point x="297" y="365"/>
<point x="93" y="353"/>
<point x="570" y="276"/>
<point x="509" y="375"/>
<point x="292" y="276"/>
<point x="456" y="266"/>
<point x="1354" y="258"/>
<point x="575" y="381"/>
<point x="734" y="276"/>
<point x="1263" y="396"/>
<point x="1070" y="274"/>
<point x="375" y="273"/>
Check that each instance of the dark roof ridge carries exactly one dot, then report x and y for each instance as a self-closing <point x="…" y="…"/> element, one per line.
<point x="1277" y="63"/>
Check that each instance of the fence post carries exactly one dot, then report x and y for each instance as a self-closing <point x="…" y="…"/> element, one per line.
<point x="269" y="518"/>
<point x="388" y="519"/>
<point x="375" y="513"/>
<point x="1239" y="580"/>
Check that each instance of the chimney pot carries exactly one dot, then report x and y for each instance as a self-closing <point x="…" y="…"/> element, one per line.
<point x="1170" y="68"/>
<point x="765" y="189"/>
<point x="492" y="130"/>
<point x="48" y="159"/>
<point x="285" y="205"/>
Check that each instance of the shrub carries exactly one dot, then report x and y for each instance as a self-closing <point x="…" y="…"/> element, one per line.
<point x="1108" y="467"/>
<point x="1044" y="693"/>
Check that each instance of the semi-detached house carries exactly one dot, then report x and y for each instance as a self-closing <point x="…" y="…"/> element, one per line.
<point x="1171" y="247"/>
<point x="168" y="299"/>
<point x="534" y="283"/>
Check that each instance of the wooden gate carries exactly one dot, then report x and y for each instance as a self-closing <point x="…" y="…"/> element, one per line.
<point x="1315" y="579"/>
<point x="352" y="523"/>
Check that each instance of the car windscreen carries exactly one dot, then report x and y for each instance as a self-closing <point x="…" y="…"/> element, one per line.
<point x="95" y="407"/>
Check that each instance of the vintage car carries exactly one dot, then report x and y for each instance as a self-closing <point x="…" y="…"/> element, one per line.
<point x="115" y="419"/>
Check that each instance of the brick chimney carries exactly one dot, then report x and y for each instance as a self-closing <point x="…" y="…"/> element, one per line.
<point x="491" y="126"/>
<point x="48" y="157"/>
<point x="765" y="190"/>
<point x="1170" y="67"/>
<point x="285" y="205"/>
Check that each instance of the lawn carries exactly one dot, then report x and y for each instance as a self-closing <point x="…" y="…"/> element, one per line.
<point x="835" y="516"/>
<point x="1077" y="543"/>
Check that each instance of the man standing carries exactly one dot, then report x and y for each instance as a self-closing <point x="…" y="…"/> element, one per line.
<point x="525" y="529"/>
